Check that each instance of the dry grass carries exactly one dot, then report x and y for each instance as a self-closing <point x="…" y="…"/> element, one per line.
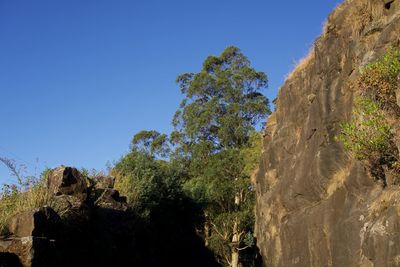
<point x="360" y="14"/>
<point x="365" y="13"/>
<point x="302" y="63"/>
<point x="338" y="180"/>
<point x="14" y="202"/>
<point x="386" y="199"/>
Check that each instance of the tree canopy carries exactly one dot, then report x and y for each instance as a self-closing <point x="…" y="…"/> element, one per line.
<point x="210" y="155"/>
<point x="222" y="103"/>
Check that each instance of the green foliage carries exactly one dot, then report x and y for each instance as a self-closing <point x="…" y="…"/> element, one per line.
<point x="215" y="134"/>
<point x="146" y="182"/>
<point x="151" y="142"/>
<point x="214" y="150"/>
<point x="378" y="80"/>
<point x="367" y="134"/>
<point x="388" y="65"/>
<point x="222" y="102"/>
<point x="251" y="154"/>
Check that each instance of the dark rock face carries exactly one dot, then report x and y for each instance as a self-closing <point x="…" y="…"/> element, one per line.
<point x="31" y="238"/>
<point x="29" y="250"/>
<point x="67" y="181"/>
<point x="110" y="199"/>
<point x="104" y="182"/>
<point x="9" y="260"/>
<point x="39" y="223"/>
<point x="315" y="205"/>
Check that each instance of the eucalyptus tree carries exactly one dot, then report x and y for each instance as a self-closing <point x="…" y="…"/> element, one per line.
<point x="214" y="133"/>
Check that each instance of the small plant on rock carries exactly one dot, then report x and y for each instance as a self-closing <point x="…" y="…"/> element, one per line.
<point x="368" y="133"/>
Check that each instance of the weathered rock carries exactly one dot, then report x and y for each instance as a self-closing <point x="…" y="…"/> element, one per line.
<point x="39" y="223"/>
<point x="67" y="181"/>
<point x="110" y="199"/>
<point x="103" y="182"/>
<point x="315" y="205"/>
<point x="27" y="252"/>
<point x="70" y="208"/>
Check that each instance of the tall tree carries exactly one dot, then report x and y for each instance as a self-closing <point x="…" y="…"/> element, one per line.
<point x="215" y="127"/>
<point x="151" y="142"/>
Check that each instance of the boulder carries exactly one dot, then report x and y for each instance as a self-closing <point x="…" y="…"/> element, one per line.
<point x="32" y="240"/>
<point x="103" y="182"/>
<point x="42" y="222"/>
<point x="27" y="252"/>
<point x="71" y="209"/>
<point x="67" y="181"/>
<point x="110" y="199"/>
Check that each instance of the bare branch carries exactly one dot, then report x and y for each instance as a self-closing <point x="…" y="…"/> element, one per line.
<point x="12" y="167"/>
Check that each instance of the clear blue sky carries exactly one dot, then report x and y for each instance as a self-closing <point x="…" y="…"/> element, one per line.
<point x="79" y="78"/>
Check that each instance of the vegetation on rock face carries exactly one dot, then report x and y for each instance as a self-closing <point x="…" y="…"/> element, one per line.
<point x="208" y="159"/>
<point x="379" y="81"/>
<point x="370" y="135"/>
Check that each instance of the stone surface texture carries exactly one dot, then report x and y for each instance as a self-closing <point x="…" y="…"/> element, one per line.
<point x="315" y="205"/>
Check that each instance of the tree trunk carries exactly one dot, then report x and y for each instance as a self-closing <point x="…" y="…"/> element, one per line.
<point x="235" y="243"/>
<point x="206" y="231"/>
<point x="235" y="238"/>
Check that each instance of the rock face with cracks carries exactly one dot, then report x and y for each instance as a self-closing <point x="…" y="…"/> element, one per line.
<point x="316" y="206"/>
<point x="72" y="229"/>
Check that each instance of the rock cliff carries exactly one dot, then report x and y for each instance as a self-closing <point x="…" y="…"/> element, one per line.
<point x="316" y="206"/>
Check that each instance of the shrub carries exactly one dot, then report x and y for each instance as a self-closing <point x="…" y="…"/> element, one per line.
<point x="378" y="80"/>
<point x="367" y="134"/>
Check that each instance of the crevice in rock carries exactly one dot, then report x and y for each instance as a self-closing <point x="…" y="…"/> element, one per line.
<point x="388" y="5"/>
<point x="311" y="134"/>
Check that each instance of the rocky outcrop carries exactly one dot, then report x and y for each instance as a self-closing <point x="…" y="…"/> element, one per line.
<point x="88" y="224"/>
<point x="82" y="226"/>
<point x="39" y="223"/>
<point x="32" y="237"/>
<point x="316" y="206"/>
<point x="67" y="181"/>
